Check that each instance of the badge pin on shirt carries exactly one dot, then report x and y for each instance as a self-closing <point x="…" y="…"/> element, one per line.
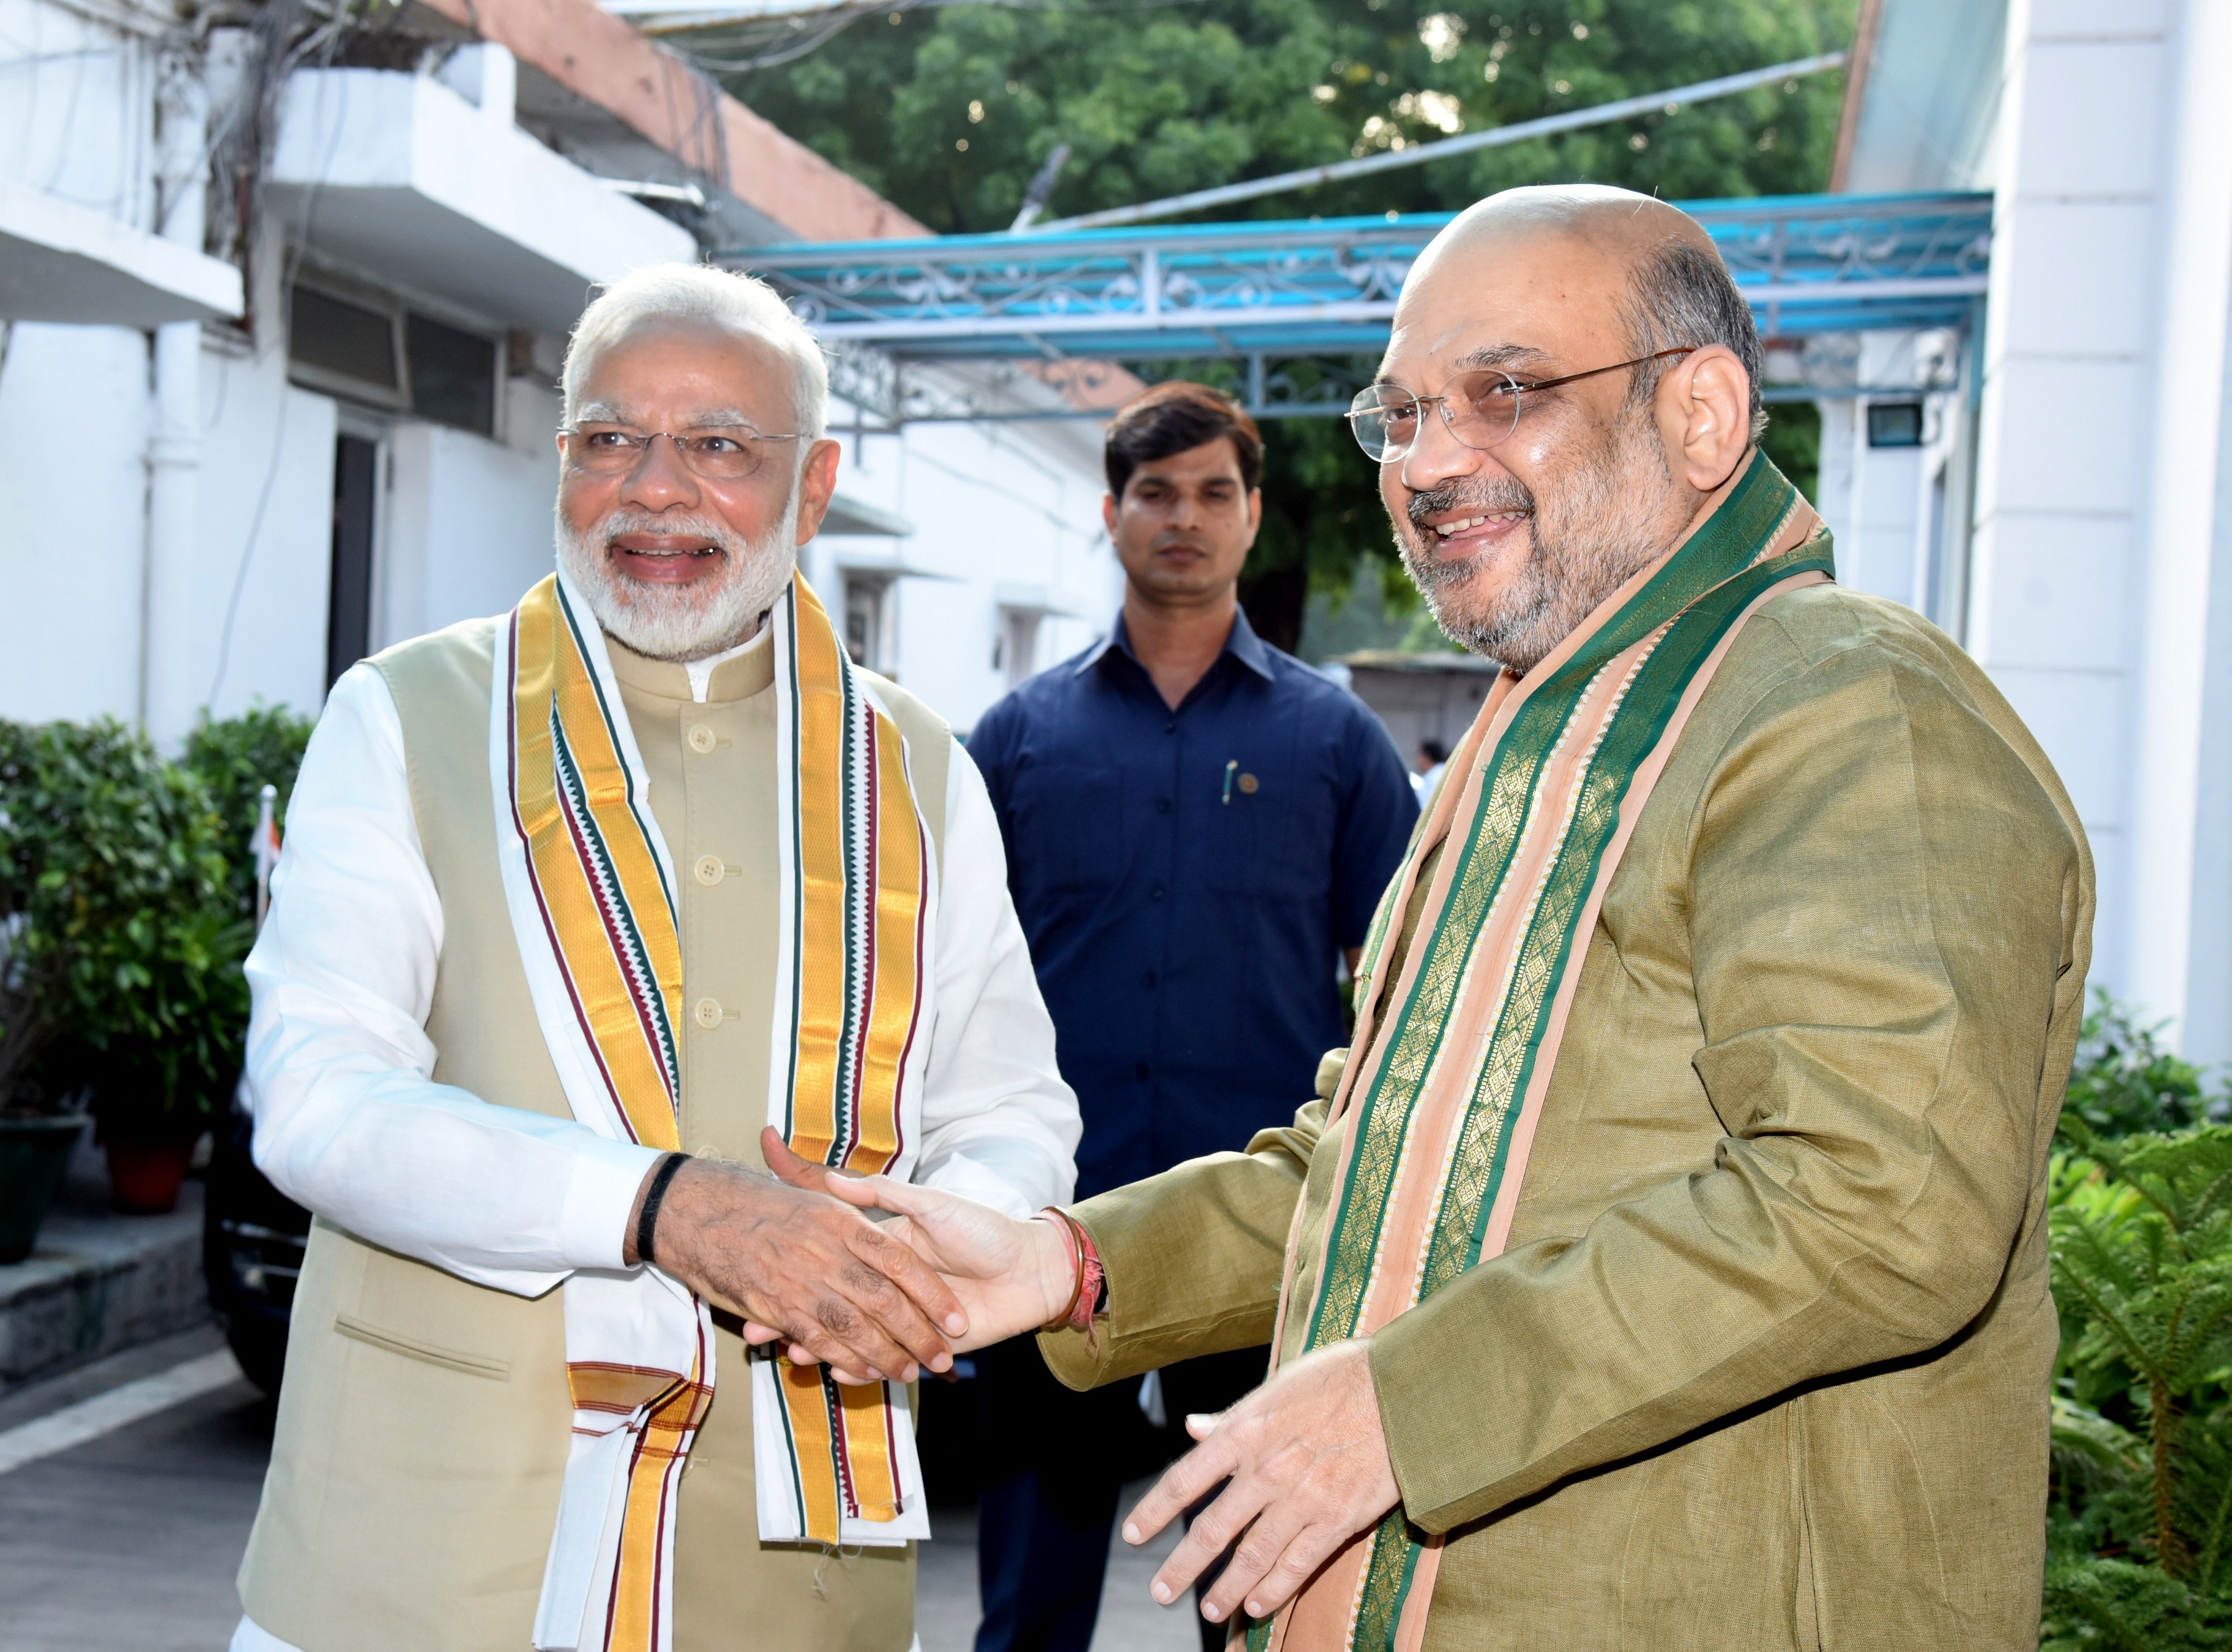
<point x="1248" y="782"/>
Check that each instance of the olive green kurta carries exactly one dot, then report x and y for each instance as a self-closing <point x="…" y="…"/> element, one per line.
<point x="1765" y="1364"/>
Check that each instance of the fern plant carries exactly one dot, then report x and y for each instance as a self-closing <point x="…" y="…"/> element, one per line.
<point x="2142" y="1258"/>
<point x="2139" y="1526"/>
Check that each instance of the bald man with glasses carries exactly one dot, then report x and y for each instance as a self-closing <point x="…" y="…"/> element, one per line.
<point x="1664" y="1266"/>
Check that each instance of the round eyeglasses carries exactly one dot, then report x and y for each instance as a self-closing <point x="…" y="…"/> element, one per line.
<point x="1482" y="409"/>
<point x="716" y="456"/>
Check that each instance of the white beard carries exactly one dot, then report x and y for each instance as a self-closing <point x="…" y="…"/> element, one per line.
<point x="684" y="622"/>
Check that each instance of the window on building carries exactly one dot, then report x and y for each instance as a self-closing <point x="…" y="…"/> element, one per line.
<point x="867" y="621"/>
<point x="1015" y="645"/>
<point x="452" y="375"/>
<point x="348" y="341"/>
<point x="381" y="353"/>
<point x="1894" y="423"/>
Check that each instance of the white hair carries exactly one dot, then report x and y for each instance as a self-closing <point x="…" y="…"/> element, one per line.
<point x="700" y="293"/>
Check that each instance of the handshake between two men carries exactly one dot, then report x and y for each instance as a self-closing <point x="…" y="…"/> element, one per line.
<point x="1305" y="1457"/>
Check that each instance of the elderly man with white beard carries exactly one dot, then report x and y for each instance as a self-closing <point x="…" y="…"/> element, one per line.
<point x="583" y="911"/>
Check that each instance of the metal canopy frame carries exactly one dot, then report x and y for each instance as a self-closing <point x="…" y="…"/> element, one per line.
<point x="1276" y="294"/>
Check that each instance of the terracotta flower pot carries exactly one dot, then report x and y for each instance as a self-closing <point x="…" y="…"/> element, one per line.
<point x="33" y="1153"/>
<point x="144" y="1177"/>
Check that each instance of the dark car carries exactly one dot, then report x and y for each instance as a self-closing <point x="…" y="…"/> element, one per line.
<point x="252" y="1240"/>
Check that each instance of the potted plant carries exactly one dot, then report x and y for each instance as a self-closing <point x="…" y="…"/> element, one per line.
<point x="37" y="1135"/>
<point x="125" y="945"/>
<point x="161" y="1060"/>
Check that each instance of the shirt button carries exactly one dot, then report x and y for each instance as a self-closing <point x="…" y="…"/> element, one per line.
<point x="1156" y="893"/>
<point x="702" y="739"/>
<point x="1162" y="806"/>
<point x="710" y="870"/>
<point x="1170" y="728"/>
<point x="707" y="1013"/>
<point x="1150" y="978"/>
<point x="1143" y="1070"/>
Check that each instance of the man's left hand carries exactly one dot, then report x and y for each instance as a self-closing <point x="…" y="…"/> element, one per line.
<point x="1309" y="1464"/>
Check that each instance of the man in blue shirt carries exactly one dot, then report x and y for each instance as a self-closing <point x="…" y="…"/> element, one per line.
<point x="1197" y="827"/>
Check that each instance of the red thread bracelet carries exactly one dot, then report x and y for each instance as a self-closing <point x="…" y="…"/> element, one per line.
<point x="1085" y="1264"/>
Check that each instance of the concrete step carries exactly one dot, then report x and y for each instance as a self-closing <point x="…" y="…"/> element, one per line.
<point x="98" y="1282"/>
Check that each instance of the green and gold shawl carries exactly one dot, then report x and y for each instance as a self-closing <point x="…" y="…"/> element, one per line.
<point x="1454" y="1054"/>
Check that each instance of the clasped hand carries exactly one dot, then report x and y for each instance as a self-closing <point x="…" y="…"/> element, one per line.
<point x="839" y="1288"/>
<point x="1303" y="1460"/>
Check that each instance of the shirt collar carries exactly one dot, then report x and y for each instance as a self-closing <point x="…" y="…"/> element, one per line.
<point x="1242" y="643"/>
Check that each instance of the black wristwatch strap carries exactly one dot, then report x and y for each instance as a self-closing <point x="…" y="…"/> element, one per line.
<point x="647" y="1224"/>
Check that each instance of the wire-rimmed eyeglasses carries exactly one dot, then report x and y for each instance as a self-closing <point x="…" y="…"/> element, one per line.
<point x="716" y="456"/>
<point x="1482" y="408"/>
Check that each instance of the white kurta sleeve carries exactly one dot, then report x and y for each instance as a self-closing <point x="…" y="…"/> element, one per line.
<point x="998" y="1124"/>
<point x="348" y="1120"/>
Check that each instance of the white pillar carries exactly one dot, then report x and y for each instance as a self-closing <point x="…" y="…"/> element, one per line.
<point x="2189" y="342"/>
<point x="2058" y="564"/>
<point x="173" y="680"/>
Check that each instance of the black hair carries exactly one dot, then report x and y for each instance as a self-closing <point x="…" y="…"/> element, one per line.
<point x="1680" y="294"/>
<point x="1173" y="418"/>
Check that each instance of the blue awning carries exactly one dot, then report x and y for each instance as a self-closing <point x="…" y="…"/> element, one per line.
<point x="1809" y="264"/>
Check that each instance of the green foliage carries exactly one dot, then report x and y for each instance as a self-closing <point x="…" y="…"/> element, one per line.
<point x="236" y="758"/>
<point x="126" y="889"/>
<point x="948" y="111"/>
<point x="119" y="930"/>
<point x="2140" y="1207"/>
<point x="1793" y="442"/>
<point x="2095" y="1603"/>
<point x="2124" y="1081"/>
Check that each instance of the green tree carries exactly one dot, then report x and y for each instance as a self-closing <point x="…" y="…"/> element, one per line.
<point x="949" y="111"/>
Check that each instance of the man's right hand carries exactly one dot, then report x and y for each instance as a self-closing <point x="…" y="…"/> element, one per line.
<point x="1010" y="1276"/>
<point x="833" y="1283"/>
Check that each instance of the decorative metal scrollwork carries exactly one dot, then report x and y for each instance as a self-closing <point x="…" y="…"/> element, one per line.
<point x="1277" y="295"/>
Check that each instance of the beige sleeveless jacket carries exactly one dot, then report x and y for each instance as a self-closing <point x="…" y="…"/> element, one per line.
<point x="424" y="1421"/>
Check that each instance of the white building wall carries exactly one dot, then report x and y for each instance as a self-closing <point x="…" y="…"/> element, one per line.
<point x="77" y="109"/>
<point x="466" y="528"/>
<point x="2058" y="559"/>
<point x="1878" y="553"/>
<point x="1893" y="530"/>
<point x="238" y="562"/>
<point x="73" y="482"/>
<point x="2208" y="1029"/>
<point x="255" y="628"/>
<point x="77" y="104"/>
<point x="1836" y="480"/>
<point x="2179" y="476"/>
<point x="1004" y="514"/>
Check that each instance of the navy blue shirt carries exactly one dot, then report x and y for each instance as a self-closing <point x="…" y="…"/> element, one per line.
<point x="1186" y="880"/>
